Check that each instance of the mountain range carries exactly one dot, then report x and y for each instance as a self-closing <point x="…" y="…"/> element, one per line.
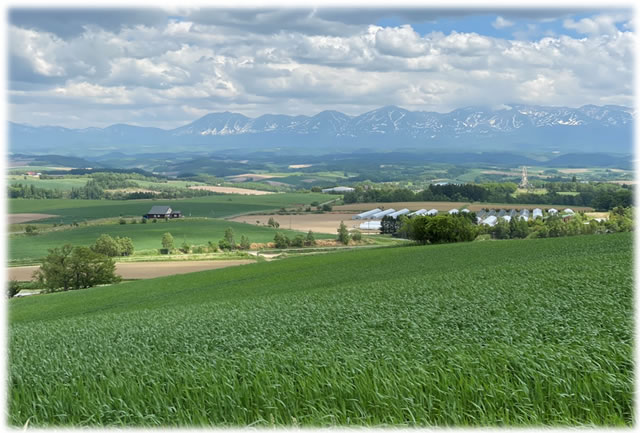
<point x="516" y="127"/>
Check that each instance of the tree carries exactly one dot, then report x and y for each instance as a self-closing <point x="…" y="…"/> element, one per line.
<point x="245" y="244"/>
<point x="167" y="241"/>
<point x="228" y="236"/>
<point x="310" y="240"/>
<point x="224" y="245"/>
<point x="106" y="245"/>
<point x="343" y="234"/>
<point x="125" y="244"/>
<point x="72" y="268"/>
<point x="326" y="207"/>
<point x="273" y="223"/>
<point x="443" y="229"/>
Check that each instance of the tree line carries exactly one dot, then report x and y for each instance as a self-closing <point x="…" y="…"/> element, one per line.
<point x="601" y="196"/>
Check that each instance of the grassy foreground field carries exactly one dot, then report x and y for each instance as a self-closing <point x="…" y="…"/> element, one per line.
<point x="217" y="206"/>
<point x="486" y="333"/>
<point x="196" y="231"/>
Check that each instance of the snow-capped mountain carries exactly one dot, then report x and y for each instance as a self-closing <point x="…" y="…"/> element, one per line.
<point x="513" y="127"/>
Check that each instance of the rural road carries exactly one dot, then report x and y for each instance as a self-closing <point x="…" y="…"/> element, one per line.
<point x="141" y="270"/>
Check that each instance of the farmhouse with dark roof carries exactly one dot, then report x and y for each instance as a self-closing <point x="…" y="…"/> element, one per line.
<point x="162" y="212"/>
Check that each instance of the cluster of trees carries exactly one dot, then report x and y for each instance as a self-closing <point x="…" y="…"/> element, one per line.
<point x="439" y="229"/>
<point x="227" y="243"/>
<point x="601" y="196"/>
<point x="283" y="241"/>
<point x="463" y="228"/>
<point x="72" y="268"/>
<point x="113" y="247"/>
<point x="19" y="190"/>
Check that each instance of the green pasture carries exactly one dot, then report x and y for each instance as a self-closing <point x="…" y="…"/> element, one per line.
<point x="214" y="206"/>
<point x="197" y="231"/>
<point x="509" y="333"/>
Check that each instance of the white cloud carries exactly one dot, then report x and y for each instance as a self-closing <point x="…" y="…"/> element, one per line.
<point x="501" y="23"/>
<point x="171" y="72"/>
<point x="604" y="24"/>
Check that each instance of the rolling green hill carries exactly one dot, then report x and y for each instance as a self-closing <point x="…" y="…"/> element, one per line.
<point x="196" y="231"/>
<point x="217" y="206"/>
<point x="487" y="333"/>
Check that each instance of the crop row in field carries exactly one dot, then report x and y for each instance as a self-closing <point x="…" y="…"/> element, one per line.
<point x="216" y="206"/>
<point x="487" y="333"/>
<point x="194" y="231"/>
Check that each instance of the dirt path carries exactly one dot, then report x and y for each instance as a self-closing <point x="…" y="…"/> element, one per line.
<point x="19" y="218"/>
<point x="142" y="270"/>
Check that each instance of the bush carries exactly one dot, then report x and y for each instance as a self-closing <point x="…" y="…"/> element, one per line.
<point x="298" y="241"/>
<point x="356" y="235"/>
<point x="31" y="230"/>
<point x="199" y="249"/>
<point x="273" y="223"/>
<point x="224" y="245"/>
<point x="154" y="220"/>
<point x="13" y="288"/>
<point x="244" y="243"/>
<point x="310" y="240"/>
<point x="143" y="220"/>
<point x="326" y="207"/>
<point x="122" y="221"/>
<point x="281" y="240"/>
<point x="212" y="246"/>
<point x="185" y="248"/>
<point x="167" y="241"/>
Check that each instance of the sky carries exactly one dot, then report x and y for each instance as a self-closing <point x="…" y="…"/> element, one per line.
<point x="164" y="68"/>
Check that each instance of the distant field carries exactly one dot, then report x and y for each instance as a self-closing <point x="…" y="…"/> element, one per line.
<point x="526" y="333"/>
<point x="144" y="236"/>
<point x="217" y="206"/>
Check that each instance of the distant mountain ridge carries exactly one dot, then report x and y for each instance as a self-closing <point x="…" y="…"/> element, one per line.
<point x="515" y="128"/>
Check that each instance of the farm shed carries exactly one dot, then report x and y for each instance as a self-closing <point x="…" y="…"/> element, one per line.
<point x="465" y="211"/>
<point x="569" y="211"/>
<point x="453" y="211"/>
<point x="162" y="212"/>
<point x="396" y="214"/>
<point x="370" y="225"/>
<point x="537" y="213"/>
<point x="382" y="213"/>
<point x="367" y="214"/>
<point x="552" y="211"/>
<point x="490" y="221"/>
<point x="433" y="212"/>
<point x="418" y="212"/>
<point x="501" y="213"/>
<point x="338" y="190"/>
<point x="507" y="218"/>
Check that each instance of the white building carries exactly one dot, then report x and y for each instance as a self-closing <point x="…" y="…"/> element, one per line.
<point x="338" y="190"/>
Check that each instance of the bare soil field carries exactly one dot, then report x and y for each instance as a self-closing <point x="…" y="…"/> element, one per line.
<point x="250" y="176"/>
<point x="19" y="218"/>
<point x="623" y="182"/>
<point x="142" y="270"/>
<point x="411" y="205"/>
<point x="231" y="190"/>
<point x="317" y="223"/>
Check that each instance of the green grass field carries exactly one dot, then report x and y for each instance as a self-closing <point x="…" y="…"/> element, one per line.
<point x="507" y="333"/>
<point x="215" y="206"/>
<point x="24" y="248"/>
